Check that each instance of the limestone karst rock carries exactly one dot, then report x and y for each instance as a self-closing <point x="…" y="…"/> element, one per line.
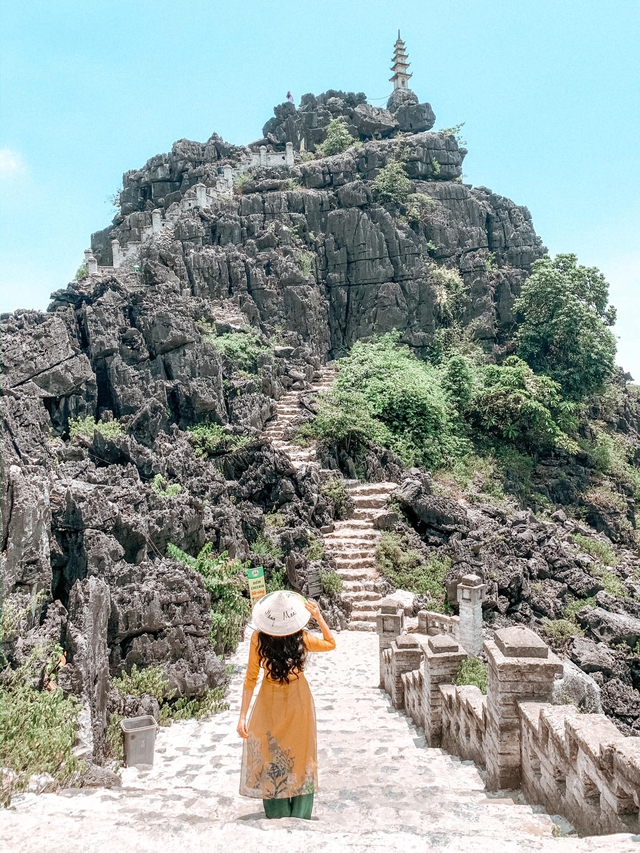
<point x="214" y="241"/>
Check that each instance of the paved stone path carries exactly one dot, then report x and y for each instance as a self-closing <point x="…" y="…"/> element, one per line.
<point x="380" y="788"/>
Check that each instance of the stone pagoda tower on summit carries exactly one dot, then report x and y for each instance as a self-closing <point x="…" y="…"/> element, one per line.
<point x="400" y="65"/>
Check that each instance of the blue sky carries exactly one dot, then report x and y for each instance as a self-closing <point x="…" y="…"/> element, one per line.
<point x="549" y="91"/>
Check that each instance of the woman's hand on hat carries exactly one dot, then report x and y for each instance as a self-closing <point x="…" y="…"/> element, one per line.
<point x="313" y="608"/>
<point x="242" y="728"/>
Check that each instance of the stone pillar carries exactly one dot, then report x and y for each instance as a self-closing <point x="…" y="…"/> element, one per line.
<point x="521" y="667"/>
<point x="288" y="157"/>
<point x="263" y="156"/>
<point x="471" y="594"/>
<point x="156" y="220"/>
<point x="92" y="263"/>
<point x="406" y="656"/>
<point x="442" y="657"/>
<point x="87" y="254"/>
<point x="228" y="177"/>
<point x="116" y="253"/>
<point x="389" y="625"/>
<point x="201" y="195"/>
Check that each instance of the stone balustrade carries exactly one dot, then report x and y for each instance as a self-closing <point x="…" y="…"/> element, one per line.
<point x="575" y="764"/>
<point x="125" y="248"/>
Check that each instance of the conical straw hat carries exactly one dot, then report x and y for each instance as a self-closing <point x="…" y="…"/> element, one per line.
<point x="280" y="613"/>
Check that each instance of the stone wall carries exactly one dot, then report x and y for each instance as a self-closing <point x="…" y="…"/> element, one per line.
<point x="575" y="764"/>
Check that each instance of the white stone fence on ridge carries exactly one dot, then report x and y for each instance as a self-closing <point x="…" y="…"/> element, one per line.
<point x="197" y="196"/>
<point x="575" y="764"/>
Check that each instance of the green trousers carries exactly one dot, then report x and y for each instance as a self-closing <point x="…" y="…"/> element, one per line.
<point x="289" y="807"/>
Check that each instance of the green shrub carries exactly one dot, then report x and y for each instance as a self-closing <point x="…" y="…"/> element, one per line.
<point x="600" y="550"/>
<point x="315" y="549"/>
<point x="611" y="582"/>
<point x="452" y="294"/>
<point x="516" y="405"/>
<point x="564" y="330"/>
<point x="458" y="380"/>
<point x="212" y="440"/>
<point x="419" y="206"/>
<point x="407" y="569"/>
<point x="338" y="138"/>
<point x="343" y="417"/>
<point x="455" y="132"/>
<point x="163" y="489"/>
<point x="331" y="582"/>
<point x="576" y="604"/>
<point x="265" y="546"/>
<point x="336" y="491"/>
<point x="473" y="672"/>
<point x="242" y="348"/>
<point x="226" y="584"/>
<point x="306" y="263"/>
<point x="239" y="181"/>
<point x="87" y="426"/>
<point x="273" y="520"/>
<point x="403" y="396"/>
<point x="211" y="702"/>
<point x="12" y="615"/>
<point x="150" y="680"/>
<point x="81" y="271"/>
<point x="561" y="629"/>
<point x="37" y="727"/>
<point x="277" y="580"/>
<point x="392" y="184"/>
<point x="435" y="165"/>
<point x="613" y="455"/>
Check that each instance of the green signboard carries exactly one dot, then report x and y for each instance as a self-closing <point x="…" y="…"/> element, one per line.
<point x="257" y="586"/>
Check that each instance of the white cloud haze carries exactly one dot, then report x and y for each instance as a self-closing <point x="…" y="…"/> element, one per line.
<point x="11" y="163"/>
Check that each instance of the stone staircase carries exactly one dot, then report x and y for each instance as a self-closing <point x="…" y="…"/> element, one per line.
<point x="381" y="790"/>
<point x="352" y="543"/>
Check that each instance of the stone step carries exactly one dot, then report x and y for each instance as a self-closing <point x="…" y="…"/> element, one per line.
<point x="356" y="574"/>
<point x="361" y="606"/>
<point x="353" y="553"/>
<point x="355" y="487"/>
<point x="368" y="513"/>
<point x="362" y="595"/>
<point x="369" y="501"/>
<point x="344" y="563"/>
<point x="364" y="616"/>
<point x="361" y="625"/>
<point x="357" y="586"/>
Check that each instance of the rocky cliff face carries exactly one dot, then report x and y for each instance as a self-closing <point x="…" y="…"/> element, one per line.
<point x="295" y="264"/>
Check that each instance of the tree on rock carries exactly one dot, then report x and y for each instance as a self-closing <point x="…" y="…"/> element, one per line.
<point x="338" y="138"/>
<point x="564" y="331"/>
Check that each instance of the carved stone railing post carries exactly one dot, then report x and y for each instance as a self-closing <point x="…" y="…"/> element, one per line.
<point x="201" y="195"/>
<point x="471" y="594"/>
<point x="92" y="263"/>
<point x="406" y="655"/>
<point x="116" y="253"/>
<point x="228" y="177"/>
<point x="156" y="220"/>
<point x="521" y="667"/>
<point x="263" y="156"/>
<point x="389" y="625"/>
<point x="442" y="657"/>
<point x="289" y="154"/>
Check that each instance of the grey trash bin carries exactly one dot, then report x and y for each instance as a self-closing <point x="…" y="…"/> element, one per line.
<point x="139" y="740"/>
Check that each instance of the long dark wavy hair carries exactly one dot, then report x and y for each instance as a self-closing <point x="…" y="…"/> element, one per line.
<point x="282" y="657"/>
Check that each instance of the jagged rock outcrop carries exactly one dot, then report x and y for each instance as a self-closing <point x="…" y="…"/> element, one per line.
<point x="291" y="266"/>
